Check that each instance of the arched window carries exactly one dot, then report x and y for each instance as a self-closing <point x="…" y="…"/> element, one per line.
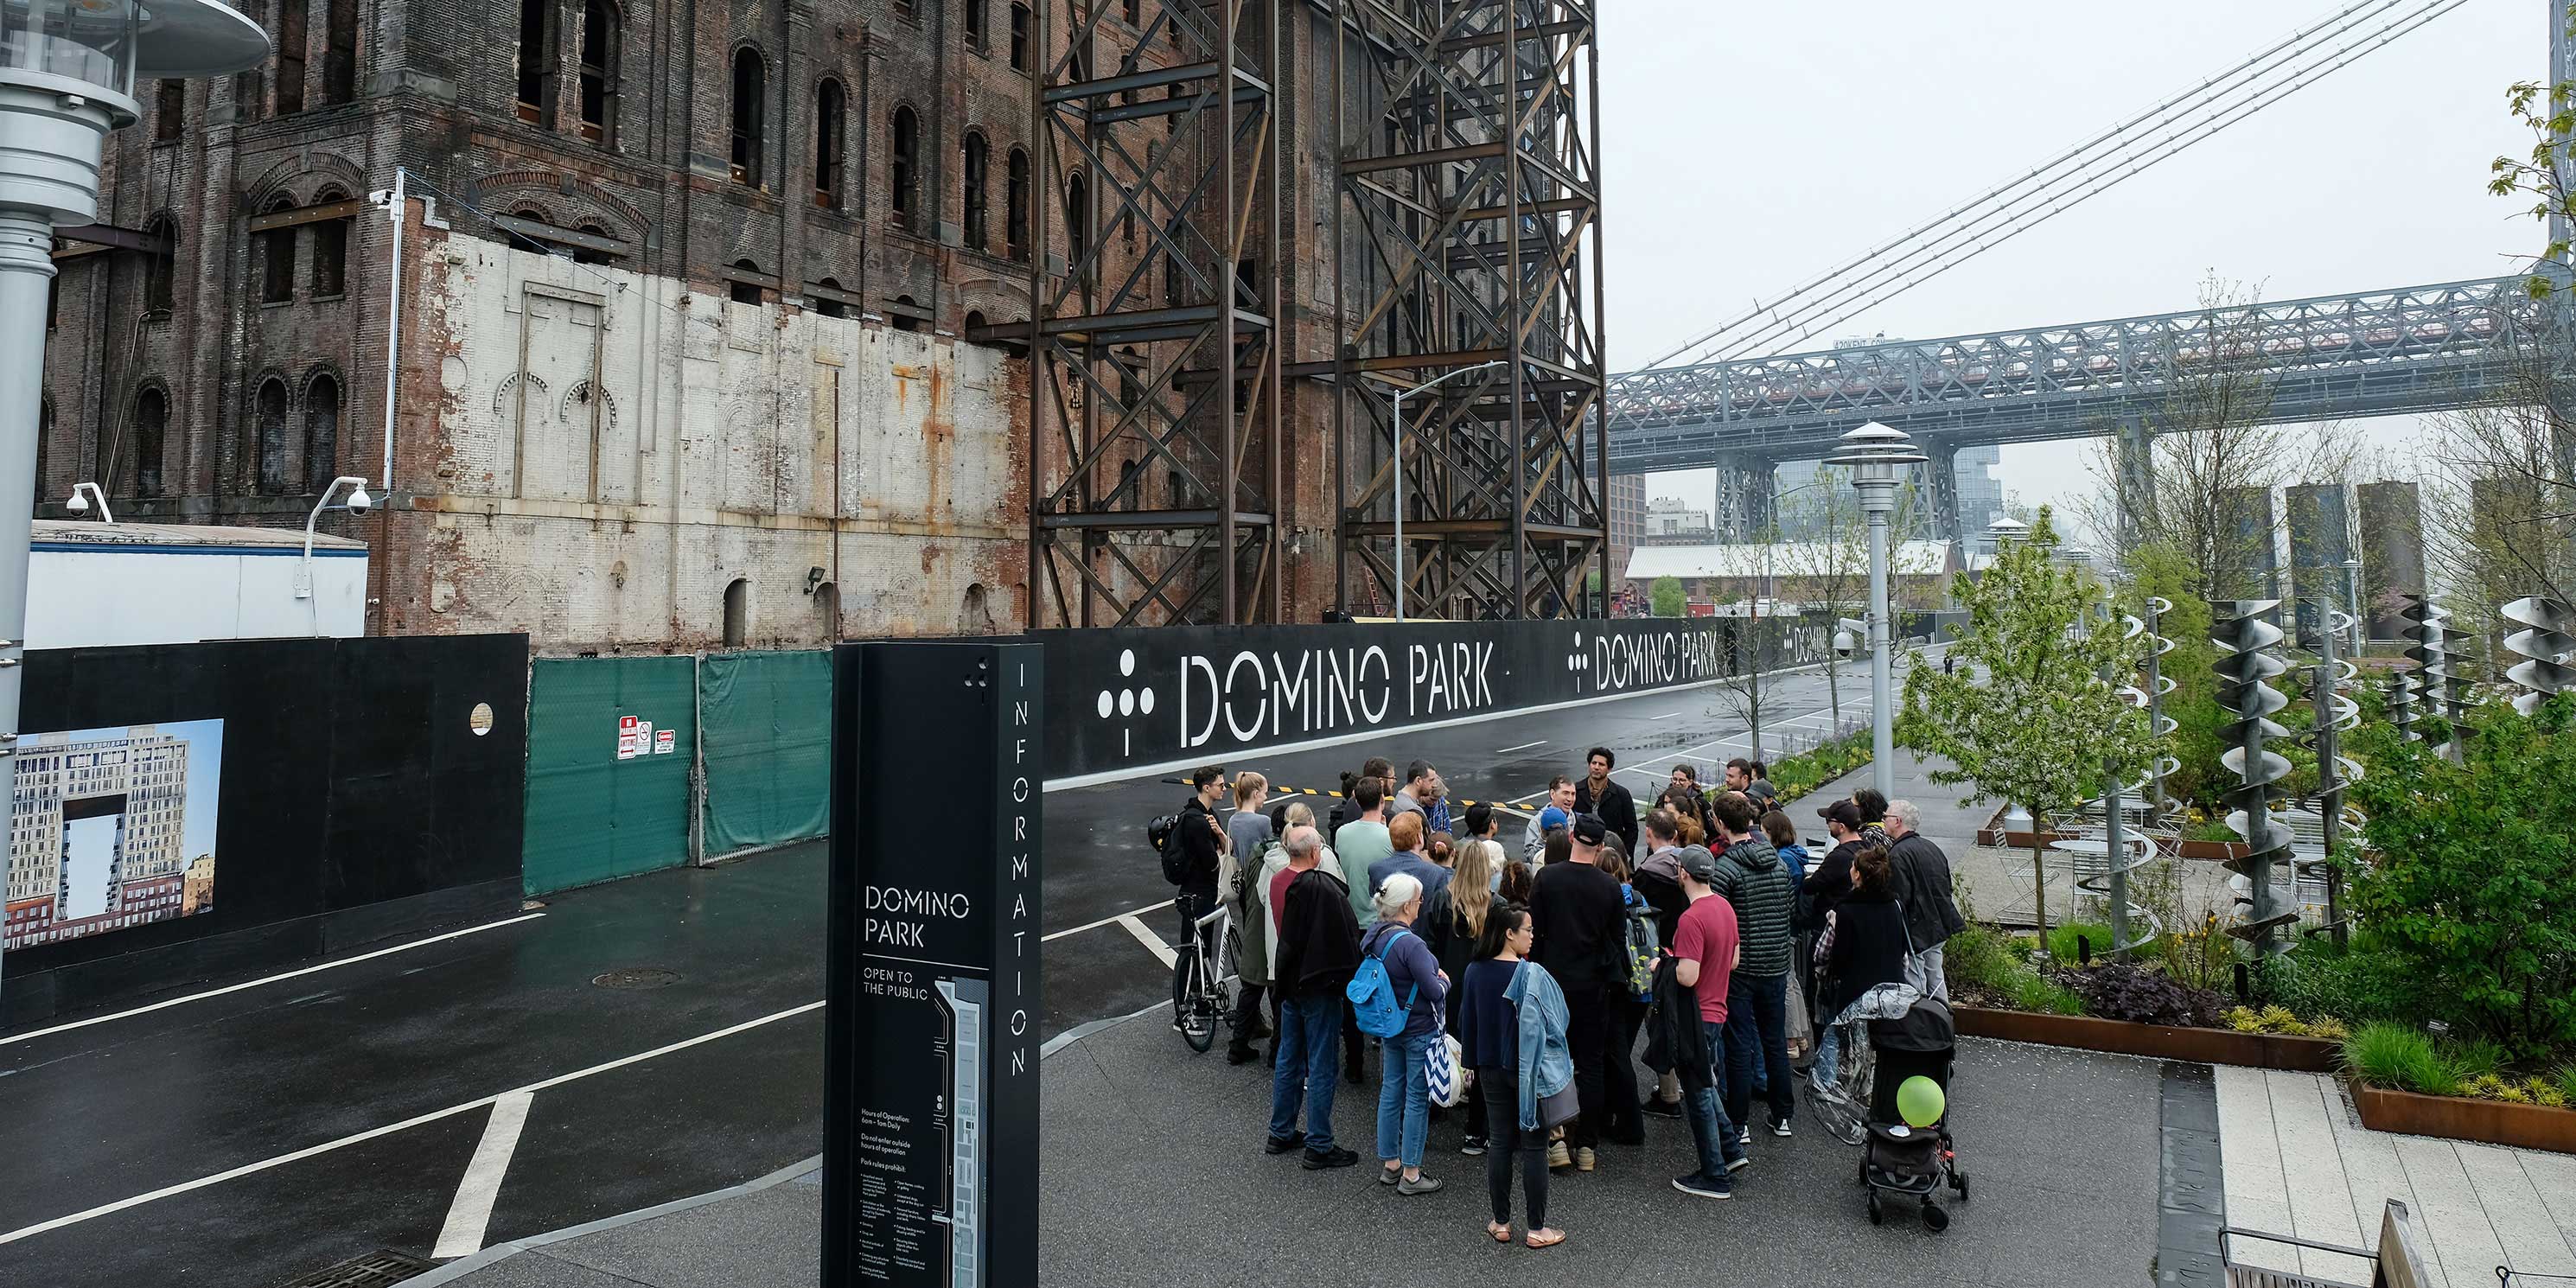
<point x="599" y="31"/>
<point x="827" y="605"/>
<point x="979" y="32"/>
<point x="742" y="292"/>
<point x="330" y="250"/>
<point x="340" y="51"/>
<point x="750" y="78"/>
<point x="290" y="56"/>
<point x="537" y="62"/>
<point x="1077" y="222"/>
<point x="976" y="616"/>
<point x="1015" y="234"/>
<point x="830" y="141"/>
<point x="169" y="110"/>
<point x="157" y="264"/>
<point x="904" y="166"/>
<point x="974" y="203"/>
<point x="1020" y="37"/>
<point x="829" y="305"/>
<point x="268" y="442"/>
<point x="321" y="432"/>
<point x="737" y="612"/>
<point x="592" y="254"/>
<point x="903" y="316"/>
<point x="275" y="250"/>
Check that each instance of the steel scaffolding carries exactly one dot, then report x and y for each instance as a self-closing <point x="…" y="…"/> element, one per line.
<point x="1154" y="420"/>
<point x="1468" y="205"/>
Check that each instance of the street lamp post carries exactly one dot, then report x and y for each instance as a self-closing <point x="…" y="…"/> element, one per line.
<point x="67" y="74"/>
<point x="2352" y="598"/>
<point x="1878" y="456"/>
<point x="1398" y="461"/>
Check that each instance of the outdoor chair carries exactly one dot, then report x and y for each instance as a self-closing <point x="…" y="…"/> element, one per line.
<point x="2399" y="1262"/>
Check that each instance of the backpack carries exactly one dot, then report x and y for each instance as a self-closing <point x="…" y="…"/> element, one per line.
<point x="1644" y="948"/>
<point x="1372" y="994"/>
<point x="1159" y="834"/>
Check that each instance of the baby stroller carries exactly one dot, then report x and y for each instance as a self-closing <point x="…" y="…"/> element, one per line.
<point x="1903" y="1160"/>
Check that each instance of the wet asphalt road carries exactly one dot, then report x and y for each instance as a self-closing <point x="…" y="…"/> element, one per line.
<point x="252" y="1137"/>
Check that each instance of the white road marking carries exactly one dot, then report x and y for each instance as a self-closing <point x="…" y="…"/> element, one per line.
<point x="406" y="1124"/>
<point x="1153" y="942"/>
<point x="470" y="1214"/>
<point x="1523" y="747"/>
<point x="270" y="979"/>
<point x="1665" y="716"/>
<point x="1095" y="925"/>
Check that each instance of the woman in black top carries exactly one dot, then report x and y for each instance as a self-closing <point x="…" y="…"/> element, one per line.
<point x="1489" y="1039"/>
<point x="1452" y="923"/>
<point x="1869" y="948"/>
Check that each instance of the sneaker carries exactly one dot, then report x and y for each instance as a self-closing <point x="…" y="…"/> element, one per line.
<point x="1739" y="1162"/>
<point x="1240" y="1055"/>
<point x="1744" y="1134"/>
<point x="1780" y="1127"/>
<point x="1284" y="1144"/>
<point x="1558" y="1155"/>
<point x="1389" y="1175"/>
<point x="1335" y="1157"/>
<point x="1701" y="1187"/>
<point x="1662" y="1108"/>
<point x="1585" y="1159"/>
<point x="1472" y="1147"/>
<point x="1418" y="1185"/>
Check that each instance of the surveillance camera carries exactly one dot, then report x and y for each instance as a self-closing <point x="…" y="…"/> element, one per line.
<point x="359" y="501"/>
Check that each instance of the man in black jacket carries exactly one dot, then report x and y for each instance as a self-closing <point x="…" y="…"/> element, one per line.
<point x="1597" y="794"/>
<point x="1319" y="951"/>
<point x="1922" y="881"/>
<point x="1203" y="843"/>
<point x="1578" y="918"/>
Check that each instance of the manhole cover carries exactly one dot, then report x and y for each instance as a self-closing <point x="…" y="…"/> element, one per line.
<point x="637" y="977"/>
<point x="384" y="1266"/>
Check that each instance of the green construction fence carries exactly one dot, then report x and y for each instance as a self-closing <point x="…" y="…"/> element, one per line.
<point x="625" y="754"/>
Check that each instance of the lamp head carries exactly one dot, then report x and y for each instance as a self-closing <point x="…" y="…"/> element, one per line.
<point x="76" y="503"/>
<point x="1877" y="456"/>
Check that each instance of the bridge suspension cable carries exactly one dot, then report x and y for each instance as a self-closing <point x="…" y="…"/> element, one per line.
<point x="2068" y="179"/>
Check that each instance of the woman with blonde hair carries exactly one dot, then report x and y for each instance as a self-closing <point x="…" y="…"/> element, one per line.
<point x="1452" y="921"/>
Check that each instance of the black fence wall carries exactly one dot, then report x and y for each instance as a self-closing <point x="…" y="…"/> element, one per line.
<point x="363" y="794"/>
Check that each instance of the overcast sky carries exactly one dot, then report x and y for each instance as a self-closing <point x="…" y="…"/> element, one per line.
<point x="1749" y="146"/>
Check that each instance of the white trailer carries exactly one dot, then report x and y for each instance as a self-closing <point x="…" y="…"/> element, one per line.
<point x="92" y="584"/>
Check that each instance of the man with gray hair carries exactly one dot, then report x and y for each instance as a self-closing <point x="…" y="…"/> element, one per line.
<point x="1920" y="874"/>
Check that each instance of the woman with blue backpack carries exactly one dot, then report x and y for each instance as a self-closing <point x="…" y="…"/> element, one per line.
<point x="1400" y="997"/>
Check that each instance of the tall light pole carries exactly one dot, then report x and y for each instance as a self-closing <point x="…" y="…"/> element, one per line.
<point x="1878" y="457"/>
<point x="2352" y="598"/>
<point x="67" y="73"/>
<point x="1398" y="461"/>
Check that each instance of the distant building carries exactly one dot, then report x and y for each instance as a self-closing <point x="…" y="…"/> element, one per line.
<point x="138" y="777"/>
<point x="1782" y="573"/>
<point x="2250" y="563"/>
<point x="2320" y="540"/>
<point x="1981" y="496"/>
<point x="1671" y="517"/>
<point x="1627" y="518"/>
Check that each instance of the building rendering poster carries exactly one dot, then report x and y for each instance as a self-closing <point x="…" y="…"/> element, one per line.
<point x="112" y="828"/>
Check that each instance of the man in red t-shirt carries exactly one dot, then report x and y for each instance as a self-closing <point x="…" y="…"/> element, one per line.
<point x="1705" y="944"/>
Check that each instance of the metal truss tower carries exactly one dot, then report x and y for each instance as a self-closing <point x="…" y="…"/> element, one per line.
<point x="1154" y="367"/>
<point x="1469" y="206"/>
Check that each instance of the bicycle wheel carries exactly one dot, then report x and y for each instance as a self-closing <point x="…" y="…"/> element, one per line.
<point x="1190" y="1012"/>
<point x="1226" y="981"/>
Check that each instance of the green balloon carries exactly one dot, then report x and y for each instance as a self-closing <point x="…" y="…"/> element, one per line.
<point x="1919" y="1099"/>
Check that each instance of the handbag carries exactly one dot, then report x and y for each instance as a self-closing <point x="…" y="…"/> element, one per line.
<point x="1440" y="1070"/>
<point x="1915" y="978"/>
<point x="1558" y="1110"/>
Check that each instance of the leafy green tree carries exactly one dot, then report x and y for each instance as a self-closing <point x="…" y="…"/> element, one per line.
<point x="1668" y="597"/>
<point x="2472" y="870"/>
<point x="2029" y="719"/>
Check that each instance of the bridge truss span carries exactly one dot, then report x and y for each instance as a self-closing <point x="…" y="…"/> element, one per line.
<point x="2410" y="350"/>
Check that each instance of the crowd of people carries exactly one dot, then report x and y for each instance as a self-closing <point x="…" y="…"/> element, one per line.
<point x="1698" y="940"/>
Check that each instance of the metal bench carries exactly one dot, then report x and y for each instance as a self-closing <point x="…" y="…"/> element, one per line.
<point x="2398" y="1262"/>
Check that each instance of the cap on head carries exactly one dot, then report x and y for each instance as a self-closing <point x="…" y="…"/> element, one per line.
<point x="1550" y="819"/>
<point x="1590" y="830"/>
<point x="1843" y="812"/>
<point x="1700" y="864"/>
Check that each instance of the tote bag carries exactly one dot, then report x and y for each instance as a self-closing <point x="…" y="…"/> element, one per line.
<point x="1440" y="1070"/>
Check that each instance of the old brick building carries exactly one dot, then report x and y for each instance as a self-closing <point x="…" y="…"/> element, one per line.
<point x="696" y="340"/>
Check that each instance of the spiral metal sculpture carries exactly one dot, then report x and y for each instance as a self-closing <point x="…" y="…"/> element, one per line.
<point x="2337" y="714"/>
<point x="2428" y="643"/>
<point x="2401" y="708"/>
<point x="2164" y="814"/>
<point x="2130" y="811"/>
<point x="2548" y="644"/>
<point x="2246" y="635"/>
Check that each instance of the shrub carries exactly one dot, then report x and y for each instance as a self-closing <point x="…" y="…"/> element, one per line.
<point x="2363" y="982"/>
<point x="2565" y="1081"/>
<point x="2029" y="990"/>
<point x="2277" y="1019"/>
<point x="2393" y="1055"/>
<point x="2119" y="991"/>
<point x="1980" y="955"/>
<point x="2471" y="866"/>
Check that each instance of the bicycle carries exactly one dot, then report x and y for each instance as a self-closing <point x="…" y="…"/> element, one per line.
<point x="1202" y="991"/>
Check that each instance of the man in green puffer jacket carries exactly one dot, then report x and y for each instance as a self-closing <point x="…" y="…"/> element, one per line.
<point x="1764" y="894"/>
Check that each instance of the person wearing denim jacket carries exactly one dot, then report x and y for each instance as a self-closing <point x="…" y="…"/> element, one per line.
<point x="1546" y="1063"/>
<point x="1404" y="1095"/>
